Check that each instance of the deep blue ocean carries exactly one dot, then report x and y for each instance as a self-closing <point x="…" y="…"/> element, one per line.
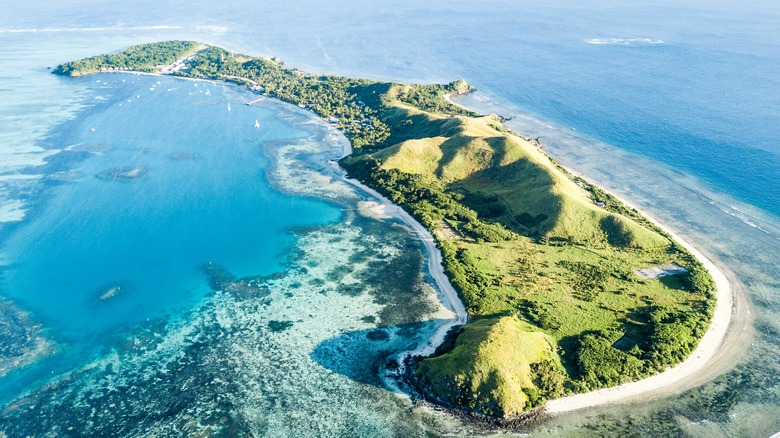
<point x="674" y="106"/>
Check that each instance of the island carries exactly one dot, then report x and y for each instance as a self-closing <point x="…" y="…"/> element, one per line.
<point x="567" y="288"/>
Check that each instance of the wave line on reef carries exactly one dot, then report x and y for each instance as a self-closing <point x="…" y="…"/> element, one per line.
<point x="89" y="29"/>
<point x="624" y="41"/>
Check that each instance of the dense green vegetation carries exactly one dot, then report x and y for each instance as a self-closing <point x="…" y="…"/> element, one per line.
<point x="532" y="244"/>
<point x="500" y="365"/>
<point x="143" y="57"/>
<point x="429" y="97"/>
<point x="543" y="261"/>
<point x="345" y="99"/>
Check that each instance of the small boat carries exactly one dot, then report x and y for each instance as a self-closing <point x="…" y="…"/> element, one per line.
<point x="110" y="293"/>
<point x="257" y="123"/>
<point x="228" y="106"/>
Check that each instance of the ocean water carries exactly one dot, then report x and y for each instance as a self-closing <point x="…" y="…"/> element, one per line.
<point x="672" y="106"/>
<point x="203" y="199"/>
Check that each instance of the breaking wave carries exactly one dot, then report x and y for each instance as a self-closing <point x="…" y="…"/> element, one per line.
<point x="624" y="41"/>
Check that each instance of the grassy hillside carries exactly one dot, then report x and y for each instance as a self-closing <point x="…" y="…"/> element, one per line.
<point x="535" y="254"/>
<point x="544" y="262"/>
<point x="530" y="194"/>
<point x="497" y="367"/>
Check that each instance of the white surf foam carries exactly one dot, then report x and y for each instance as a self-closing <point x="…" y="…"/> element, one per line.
<point x="624" y="41"/>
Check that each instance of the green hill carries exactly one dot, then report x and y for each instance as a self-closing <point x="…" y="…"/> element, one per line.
<point x="499" y="366"/>
<point x="472" y="156"/>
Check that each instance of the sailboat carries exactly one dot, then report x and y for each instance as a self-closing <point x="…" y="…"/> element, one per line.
<point x="257" y="123"/>
<point x="228" y="106"/>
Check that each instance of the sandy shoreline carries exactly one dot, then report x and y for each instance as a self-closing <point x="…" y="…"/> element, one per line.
<point x="671" y="381"/>
<point x="448" y="98"/>
<point x="435" y="269"/>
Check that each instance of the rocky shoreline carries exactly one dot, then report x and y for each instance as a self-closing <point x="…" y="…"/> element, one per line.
<point x="423" y="399"/>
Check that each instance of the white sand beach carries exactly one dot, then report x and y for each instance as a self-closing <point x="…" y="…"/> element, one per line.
<point x="435" y="267"/>
<point x="703" y="360"/>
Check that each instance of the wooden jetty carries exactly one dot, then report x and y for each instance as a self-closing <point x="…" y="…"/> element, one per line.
<point x="259" y="99"/>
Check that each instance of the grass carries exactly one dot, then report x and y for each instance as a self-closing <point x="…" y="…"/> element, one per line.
<point x="542" y="260"/>
<point x="564" y="275"/>
<point x="490" y="367"/>
<point x="471" y="155"/>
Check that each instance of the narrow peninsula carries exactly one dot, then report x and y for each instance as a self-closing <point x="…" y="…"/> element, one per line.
<point x="567" y="289"/>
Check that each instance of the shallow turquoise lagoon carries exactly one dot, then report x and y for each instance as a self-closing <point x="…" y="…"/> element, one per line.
<point x="101" y="252"/>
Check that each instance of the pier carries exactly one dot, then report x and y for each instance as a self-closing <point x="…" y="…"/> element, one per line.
<point x="259" y="99"/>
